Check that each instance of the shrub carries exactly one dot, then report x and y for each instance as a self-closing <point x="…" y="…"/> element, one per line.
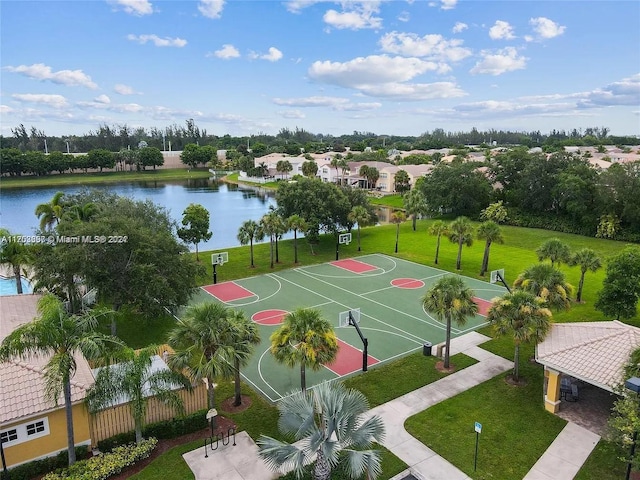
<point x="30" y="470"/>
<point x="161" y="430"/>
<point x="106" y="465"/>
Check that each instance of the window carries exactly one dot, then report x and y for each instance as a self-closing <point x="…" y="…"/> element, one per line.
<point x="37" y="427"/>
<point x="9" y="436"/>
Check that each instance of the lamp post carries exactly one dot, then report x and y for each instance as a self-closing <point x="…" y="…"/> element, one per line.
<point x="633" y="385"/>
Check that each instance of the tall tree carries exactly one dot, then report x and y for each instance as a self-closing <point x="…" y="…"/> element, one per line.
<point x="305" y="339"/>
<point x="415" y="204"/>
<point x="309" y="168"/>
<point x="548" y="283"/>
<point x="203" y="343"/>
<point x="59" y="337"/>
<point x="438" y="229"/>
<point x="397" y="218"/>
<point x="51" y="213"/>
<point x="134" y="381"/>
<point x="490" y="232"/>
<point x="401" y="182"/>
<point x="269" y="225"/>
<point x="588" y="260"/>
<point x="15" y="254"/>
<point x="621" y="286"/>
<point x="195" y="221"/>
<point x="329" y="426"/>
<point x="360" y="216"/>
<point x="249" y="232"/>
<point x="461" y="232"/>
<point x="522" y="315"/>
<point x="245" y="336"/>
<point x="297" y="224"/>
<point x="555" y="250"/>
<point x="450" y="300"/>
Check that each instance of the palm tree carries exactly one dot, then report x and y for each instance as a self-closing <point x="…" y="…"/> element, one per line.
<point x="360" y="216"/>
<point x="588" y="261"/>
<point x="133" y="381"/>
<point x="50" y="213"/>
<point x="296" y="223"/>
<point x="306" y="339"/>
<point x="15" y="254"/>
<point x="548" y="283"/>
<point x="364" y="173"/>
<point x="555" y="250"/>
<point x="60" y="337"/>
<point x="249" y="232"/>
<point x="280" y="227"/>
<point x="203" y="344"/>
<point x="268" y="225"/>
<point x="245" y="336"/>
<point x="522" y="315"/>
<point x="397" y="218"/>
<point x="461" y="232"/>
<point x="84" y="212"/>
<point x="490" y="232"/>
<point x="450" y="300"/>
<point x="438" y="228"/>
<point x="328" y="425"/>
<point x="415" y="204"/>
<point x="336" y="163"/>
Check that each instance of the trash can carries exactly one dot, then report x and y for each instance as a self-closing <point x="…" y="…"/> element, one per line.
<point x="426" y="349"/>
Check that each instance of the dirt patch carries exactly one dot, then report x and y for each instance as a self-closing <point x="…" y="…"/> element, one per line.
<point x="441" y="369"/>
<point x="228" y="406"/>
<point x="521" y="382"/>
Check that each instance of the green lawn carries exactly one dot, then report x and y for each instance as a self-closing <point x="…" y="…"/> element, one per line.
<point x="394" y="201"/>
<point x="105" y="177"/>
<point x="509" y="445"/>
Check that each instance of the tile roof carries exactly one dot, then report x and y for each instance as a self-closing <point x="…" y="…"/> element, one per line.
<point x="22" y="379"/>
<point x="594" y="352"/>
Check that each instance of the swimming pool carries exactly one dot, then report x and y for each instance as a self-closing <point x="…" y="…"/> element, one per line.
<point x="8" y="286"/>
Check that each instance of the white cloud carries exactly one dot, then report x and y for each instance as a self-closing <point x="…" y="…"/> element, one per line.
<point x="294" y="114"/>
<point x="459" y="27"/>
<point x="157" y="41"/>
<point x="414" y="91"/>
<point x="124" y="89"/>
<point x="273" y="56"/>
<point x="355" y="16"/>
<point x="296" y="6"/>
<point x="211" y="8"/>
<point x="545" y="28"/>
<point x="369" y="70"/>
<point x="335" y="103"/>
<point x="404" y="16"/>
<point x="501" y="30"/>
<point x="40" y="71"/>
<point x="624" y="92"/>
<point x="102" y="99"/>
<point x="55" y="101"/>
<point x="4" y="109"/>
<point x="226" y="52"/>
<point x="112" y="107"/>
<point x="444" y="4"/>
<point x="134" y="7"/>
<point x="430" y="46"/>
<point x="505" y="60"/>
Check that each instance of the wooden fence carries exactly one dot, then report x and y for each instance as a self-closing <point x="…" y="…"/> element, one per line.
<point x="114" y="420"/>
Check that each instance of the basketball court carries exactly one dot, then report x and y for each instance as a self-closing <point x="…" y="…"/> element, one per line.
<point x="383" y="293"/>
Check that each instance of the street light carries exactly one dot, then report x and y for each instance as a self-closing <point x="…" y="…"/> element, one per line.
<point x="633" y="385"/>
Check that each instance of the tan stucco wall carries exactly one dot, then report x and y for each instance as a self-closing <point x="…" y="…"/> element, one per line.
<point x="52" y="443"/>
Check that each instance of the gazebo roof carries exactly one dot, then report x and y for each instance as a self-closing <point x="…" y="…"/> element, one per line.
<point x="594" y="352"/>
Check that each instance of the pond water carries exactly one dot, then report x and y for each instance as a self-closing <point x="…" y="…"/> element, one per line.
<point x="229" y="205"/>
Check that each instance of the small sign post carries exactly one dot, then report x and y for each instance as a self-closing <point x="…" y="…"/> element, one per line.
<point x="478" y="429"/>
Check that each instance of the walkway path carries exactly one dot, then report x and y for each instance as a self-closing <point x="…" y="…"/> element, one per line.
<point x="562" y="460"/>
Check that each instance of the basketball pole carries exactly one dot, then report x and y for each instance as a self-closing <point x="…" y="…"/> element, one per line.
<point x="365" y="342"/>
<point x="503" y="282"/>
<point x="215" y="274"/>
<point x="337" y="248"/>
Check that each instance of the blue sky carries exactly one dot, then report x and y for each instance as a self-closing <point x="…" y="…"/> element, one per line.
<point x="387" y="67"/>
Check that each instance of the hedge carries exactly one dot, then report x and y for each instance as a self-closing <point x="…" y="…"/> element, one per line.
<point x="27" y="471"/>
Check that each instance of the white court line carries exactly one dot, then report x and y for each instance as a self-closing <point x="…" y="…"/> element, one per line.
<point x="259" y="299"/>
<point x="262" y="377"/>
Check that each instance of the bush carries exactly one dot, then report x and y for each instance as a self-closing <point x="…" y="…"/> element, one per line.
<point x="106" y="465"/>
<point x="30" y="470"/>
<point x="161" y="430"/>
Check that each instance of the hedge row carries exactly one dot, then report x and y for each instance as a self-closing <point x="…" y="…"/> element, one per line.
<point x="27" y="471"/>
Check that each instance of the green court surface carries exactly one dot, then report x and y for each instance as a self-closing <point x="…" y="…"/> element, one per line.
<point x="387" y="290"/>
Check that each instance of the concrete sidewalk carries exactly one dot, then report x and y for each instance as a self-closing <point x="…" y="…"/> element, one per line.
<point x="565" y="456"/>
<point x="561" y="461"/>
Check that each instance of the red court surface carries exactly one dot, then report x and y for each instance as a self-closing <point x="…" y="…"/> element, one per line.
<point x="228" y="291"/>
<point x="269" y="317"/>
<point x="353" y="266"/>
<point x="407" y="283"/>
<point x="483" y="306"/>
<point x="349" y="360"/>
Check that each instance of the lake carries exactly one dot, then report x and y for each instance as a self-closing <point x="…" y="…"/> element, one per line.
<point x="229" y="205"/>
